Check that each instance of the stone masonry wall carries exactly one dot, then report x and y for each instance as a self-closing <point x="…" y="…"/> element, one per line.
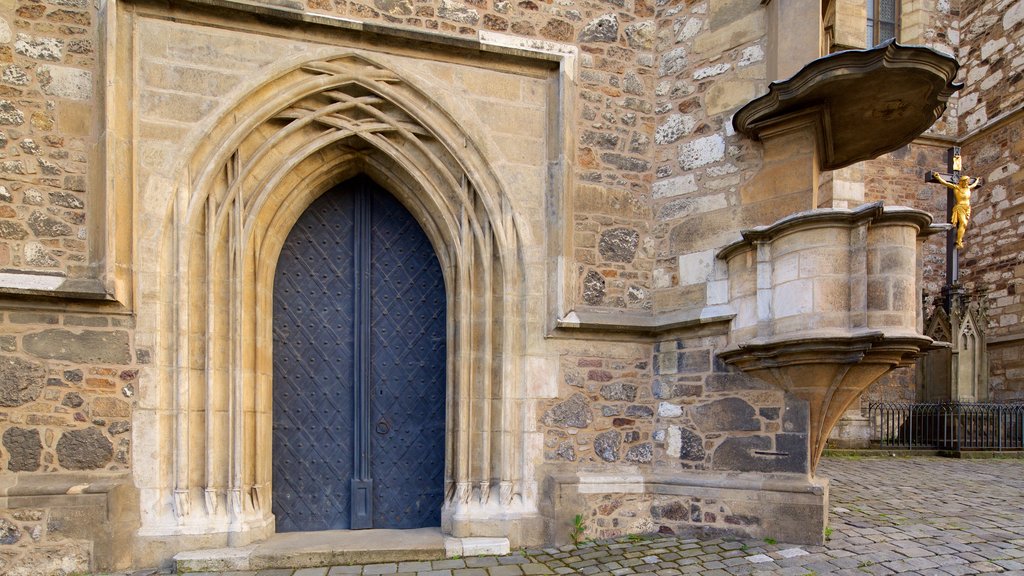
<point x="992" y="53"/>
<point x="676" y="410"/>
<point x="614" y="123"/>
<point x="992" y="50"/>
<point x="994" y="259"/>
<point x="47" y="67"/>
<point x="712" y="61"/>
<point x="67" y="386"/>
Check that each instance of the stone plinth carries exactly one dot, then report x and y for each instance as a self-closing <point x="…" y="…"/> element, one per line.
<point x="827" y="302"/>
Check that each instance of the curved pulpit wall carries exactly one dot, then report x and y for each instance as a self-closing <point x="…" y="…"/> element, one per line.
<point x="827" y="302"/>
<point x="864" y="102"/>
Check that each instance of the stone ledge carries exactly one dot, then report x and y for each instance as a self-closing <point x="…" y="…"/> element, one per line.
<point x="542" y="50"/>
<point x="323" y="548"/>
<point x="476" y="546"/>
<point x="639" y="323"/>
<point x="52" y="286"/>
<point x="99" y="509"/>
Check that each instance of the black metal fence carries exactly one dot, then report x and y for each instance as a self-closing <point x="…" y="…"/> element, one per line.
<point x="947" y="426"/>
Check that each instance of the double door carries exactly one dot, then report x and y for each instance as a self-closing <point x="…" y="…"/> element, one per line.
<point x="359" y="367"/>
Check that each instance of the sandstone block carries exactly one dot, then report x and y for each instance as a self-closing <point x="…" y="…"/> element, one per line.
<point x="65" y="82"/>
<point x="730" y="94"/>
<point x="745" y="29"/>
<point x="110" y="408"/>
<point x="676" y="186"/>
<point x="88" y="346"/>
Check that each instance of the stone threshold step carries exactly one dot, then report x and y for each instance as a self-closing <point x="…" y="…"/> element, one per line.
<point x="337" y="548"/>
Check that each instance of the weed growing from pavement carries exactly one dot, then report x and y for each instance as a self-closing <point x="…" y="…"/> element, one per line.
<point x="579" y="527"/>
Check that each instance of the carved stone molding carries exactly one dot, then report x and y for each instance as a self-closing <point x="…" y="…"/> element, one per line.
<point x="864" y="103"/>
<point x="262" y="163"/>
<point x="827" y="301"/>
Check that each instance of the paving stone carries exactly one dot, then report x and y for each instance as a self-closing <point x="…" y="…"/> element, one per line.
<point x="937" y="517"/>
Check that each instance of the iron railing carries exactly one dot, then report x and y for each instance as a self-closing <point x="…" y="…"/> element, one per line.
<point x="947" y="426"/>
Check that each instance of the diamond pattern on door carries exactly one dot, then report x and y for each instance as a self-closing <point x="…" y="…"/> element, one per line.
<point x="315" y="380"/>
<point x="408" y="376"/>
<point x="313" y="363"/>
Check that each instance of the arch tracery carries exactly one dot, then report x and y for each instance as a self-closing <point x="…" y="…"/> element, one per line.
<point x="246" y="185"/>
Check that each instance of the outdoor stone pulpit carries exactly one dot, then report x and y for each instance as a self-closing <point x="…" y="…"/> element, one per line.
<point x="828" y="300"/>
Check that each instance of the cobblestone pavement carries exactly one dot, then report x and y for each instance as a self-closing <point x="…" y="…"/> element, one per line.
<point x="927" y="516"/>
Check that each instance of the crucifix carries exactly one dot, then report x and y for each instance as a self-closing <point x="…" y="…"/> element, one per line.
<point x="958" y="212"/>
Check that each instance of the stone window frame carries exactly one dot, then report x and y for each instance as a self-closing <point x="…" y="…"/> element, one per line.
<point x="875" y="21"/>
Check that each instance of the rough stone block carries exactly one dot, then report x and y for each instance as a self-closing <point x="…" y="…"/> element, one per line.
<point x="24" y="447"/>
<point x="575" y="412"/>
<point x="606" y="445"/>
<point x="725" y="415"/>
<point x="21" y="381"/>
<point x="84" y="449"/>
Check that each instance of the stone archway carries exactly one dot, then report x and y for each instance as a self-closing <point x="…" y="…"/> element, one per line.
<point x="245" y="186"/>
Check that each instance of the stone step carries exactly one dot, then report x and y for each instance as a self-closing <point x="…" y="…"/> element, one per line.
<point x="336" y="548"/>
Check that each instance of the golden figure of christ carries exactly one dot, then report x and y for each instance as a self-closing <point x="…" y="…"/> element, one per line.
<point x="961" y="212"/>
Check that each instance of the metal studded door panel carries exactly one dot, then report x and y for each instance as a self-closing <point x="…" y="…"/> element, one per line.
<point x="407" y="402"/>
<point x="359" y="367"/>
<point x="313" y="366"/>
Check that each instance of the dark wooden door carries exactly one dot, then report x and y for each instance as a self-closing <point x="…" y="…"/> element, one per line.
<point x="359" y="367"/>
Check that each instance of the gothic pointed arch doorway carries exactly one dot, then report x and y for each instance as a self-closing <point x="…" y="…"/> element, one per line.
<point x="359" y="367"/>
